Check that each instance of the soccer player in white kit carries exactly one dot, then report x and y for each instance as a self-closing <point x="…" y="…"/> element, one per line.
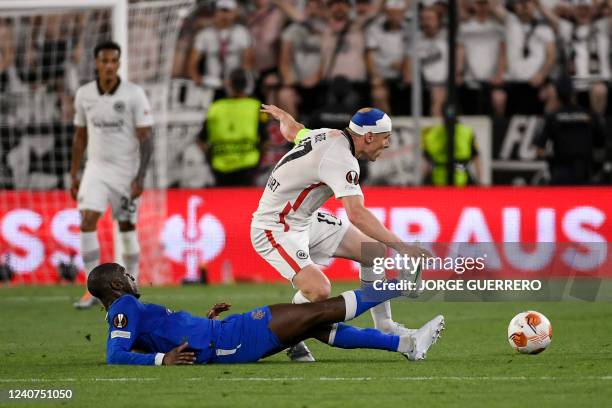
<point x="289" y="232"/>
<point x="113" y="122"/>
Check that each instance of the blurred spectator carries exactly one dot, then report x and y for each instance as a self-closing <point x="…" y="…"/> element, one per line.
<point x="145" y="61"/>
<point x="7" y="53"/>
<point x="265" y="23"/>
<point x="531" y="55"/>
<point x="370" y="10"/>
<point x="574" y="134"/>
<point x="223" y="48"/>
<point x="432" y="49"/>
<point x="435" y="152"/>
<point x="54" y="48"/>
<point x="586" y="52"/>
<point x="233" y="134"/>
<point x="343" y="47"/>
<point x="300" y="60"/>
<point x="201" y="17"/>
<point x="388" y="61"/>
<point x="440" y="7"/>
<point x="92" y="27"/>
<point x="482" y="60"/>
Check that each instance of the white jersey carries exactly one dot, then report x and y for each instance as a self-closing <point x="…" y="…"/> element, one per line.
<point x="111" y="120"/>
<point x="322" y="165"/>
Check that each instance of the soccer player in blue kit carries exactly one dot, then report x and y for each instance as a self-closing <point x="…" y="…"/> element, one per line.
<point x="149" y="334"/>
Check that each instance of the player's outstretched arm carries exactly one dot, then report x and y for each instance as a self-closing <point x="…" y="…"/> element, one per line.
<point x="78" y="149"/>
<point x="366" y="222"/>
<point x="288" y="125"/>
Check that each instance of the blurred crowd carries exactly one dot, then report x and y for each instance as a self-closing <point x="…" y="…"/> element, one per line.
<point x="320" y="60"/>
<point x="299" y="52"/>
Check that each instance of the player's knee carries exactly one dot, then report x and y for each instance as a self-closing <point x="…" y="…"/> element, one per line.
<point x="318" y="292"/>
<point x="89" y="221"/>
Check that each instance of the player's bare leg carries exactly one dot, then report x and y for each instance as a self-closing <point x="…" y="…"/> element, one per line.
<point x="359" y="247"/>
<point x="90" y="251"/>
<point x="313" y="286"/>
<point x="131" y="247"/>
<point x="321" y="320"/>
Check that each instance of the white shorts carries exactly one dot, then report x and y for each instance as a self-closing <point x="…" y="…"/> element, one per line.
<point x="289" y="252"/>
<point x="95" y="194"/>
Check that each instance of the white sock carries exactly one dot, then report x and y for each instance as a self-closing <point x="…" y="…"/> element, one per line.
<point x="299" y="298"/>
<point x="131" y="252"/>
<point x="350" y="305"/>
<point x="381" y="314"/>
<point x="406" y="344"/>
<point x="90" y="250"/>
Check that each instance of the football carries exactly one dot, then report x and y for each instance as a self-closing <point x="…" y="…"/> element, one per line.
<point x="529" y="332"/>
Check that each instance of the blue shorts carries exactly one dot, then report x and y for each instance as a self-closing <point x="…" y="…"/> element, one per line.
<point x="245" y="338"/>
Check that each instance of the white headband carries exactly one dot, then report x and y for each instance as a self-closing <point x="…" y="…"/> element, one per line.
<point x="382" y="125"/>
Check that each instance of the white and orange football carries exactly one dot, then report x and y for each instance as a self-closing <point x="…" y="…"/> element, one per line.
<point x="529" y="332"/>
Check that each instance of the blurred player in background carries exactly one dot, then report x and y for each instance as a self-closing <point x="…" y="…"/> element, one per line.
<point x="290" y="233"/>
<point x="113" y="121"/>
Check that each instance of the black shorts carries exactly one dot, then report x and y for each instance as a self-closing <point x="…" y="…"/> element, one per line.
<point x="310" y="98"/>
<point x="523" y="99"/>
<point x="400" y="97"/>
<point x="475" y="100"/>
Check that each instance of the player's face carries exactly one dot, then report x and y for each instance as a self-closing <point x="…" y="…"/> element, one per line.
<point x="107" y="64"/>
<point x="378" y="143"/>
<point x="129" y="283"/>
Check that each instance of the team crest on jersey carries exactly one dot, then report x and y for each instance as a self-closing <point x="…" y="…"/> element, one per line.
<point x="119" y="106"/>
<point x="301" y="254"/>
<point x="352" y="177"/>
<point x="120" y="321"/>
<point x="258" y="314"/>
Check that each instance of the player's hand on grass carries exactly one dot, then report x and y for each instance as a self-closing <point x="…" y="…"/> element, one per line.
<point x="178" y="356"/>
<point x="137" y="188"/>
<point x="74" y="188"/>
<point x="217" y="309"/>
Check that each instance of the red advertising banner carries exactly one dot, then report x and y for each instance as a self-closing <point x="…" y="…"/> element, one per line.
<point x="209" y="230"/>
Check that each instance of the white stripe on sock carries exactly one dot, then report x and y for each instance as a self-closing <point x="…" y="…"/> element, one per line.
<point x="350" y="303"/>
<point x="332" y="334"/>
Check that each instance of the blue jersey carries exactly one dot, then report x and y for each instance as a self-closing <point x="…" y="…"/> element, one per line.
<point x="155" y="330"/>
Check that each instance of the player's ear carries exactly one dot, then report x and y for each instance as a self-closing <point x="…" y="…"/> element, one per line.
<point x="116" y="284"/>
<point x="369" y="137"/>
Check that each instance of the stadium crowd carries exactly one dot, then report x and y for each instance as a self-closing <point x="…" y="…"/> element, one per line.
<point x="319" y="60"/>
<point x="507" y="54"/>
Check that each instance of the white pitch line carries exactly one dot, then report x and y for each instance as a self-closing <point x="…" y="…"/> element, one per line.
<point x="60" y="380"/>
<point x="432" y="378"/>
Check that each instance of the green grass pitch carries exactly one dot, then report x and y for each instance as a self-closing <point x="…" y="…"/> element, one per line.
<point x="46" y="344"/>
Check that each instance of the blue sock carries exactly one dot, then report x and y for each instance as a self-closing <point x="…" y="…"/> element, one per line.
<point x="360" y="300"/>
<point x="349" y="337"/>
